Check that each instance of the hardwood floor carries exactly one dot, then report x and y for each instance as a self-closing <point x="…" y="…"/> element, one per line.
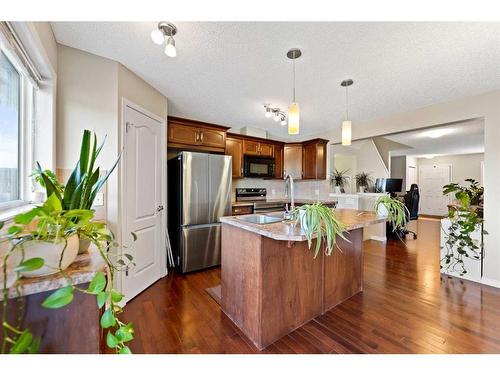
<point x="405" y="308"/>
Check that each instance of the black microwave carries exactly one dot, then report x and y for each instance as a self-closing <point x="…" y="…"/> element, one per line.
<point x="254" y="166"/>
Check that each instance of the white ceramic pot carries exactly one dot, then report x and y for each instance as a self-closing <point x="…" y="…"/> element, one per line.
<point x="84" y="244"/>
<point x="338" y="190"/>
<point x="50" y="252"/>
<point x="303" y="223"/>
<point x="382" y="211"/>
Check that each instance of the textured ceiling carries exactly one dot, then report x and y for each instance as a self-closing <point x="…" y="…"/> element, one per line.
<point x="225" y="71"/>
<point x="462" y="138"/>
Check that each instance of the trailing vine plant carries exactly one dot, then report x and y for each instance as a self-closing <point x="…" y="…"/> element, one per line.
<point x="465" y="220"/>
<point x="66" y="212"/>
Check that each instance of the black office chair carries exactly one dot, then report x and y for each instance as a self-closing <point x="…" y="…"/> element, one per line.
<point x="411" y="200"/>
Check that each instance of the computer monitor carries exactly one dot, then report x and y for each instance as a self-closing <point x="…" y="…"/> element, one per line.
<point x="388" y="185"/>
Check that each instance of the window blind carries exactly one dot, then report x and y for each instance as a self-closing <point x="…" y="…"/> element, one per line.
<point x="15" y="47"/>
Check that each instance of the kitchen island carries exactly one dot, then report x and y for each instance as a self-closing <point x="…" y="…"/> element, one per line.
<point x="271" y="284"/>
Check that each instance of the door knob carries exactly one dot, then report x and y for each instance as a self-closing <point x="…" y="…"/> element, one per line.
<point x="160" y="208"/>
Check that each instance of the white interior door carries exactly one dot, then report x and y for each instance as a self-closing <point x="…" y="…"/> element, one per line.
<point x="144" y="199"/>
<point x="431" y="179"/>
<point x="411" y="176"/>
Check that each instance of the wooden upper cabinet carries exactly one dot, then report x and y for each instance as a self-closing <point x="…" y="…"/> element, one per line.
<point x="196" y="135"/>
<point x="278" y="159"/>
<point x="253" y="147"/>
<point x="234" y="148"/>
<point x="292" y="160"/>
<point x="314" y="159"/>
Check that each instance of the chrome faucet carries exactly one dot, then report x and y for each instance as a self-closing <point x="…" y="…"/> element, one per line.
<point x="289" y="188"/>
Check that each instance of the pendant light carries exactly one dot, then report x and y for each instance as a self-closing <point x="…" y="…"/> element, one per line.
<point x="165" y="31"/>
<point x="294" y="110"/>
<point x="346" y="124"/>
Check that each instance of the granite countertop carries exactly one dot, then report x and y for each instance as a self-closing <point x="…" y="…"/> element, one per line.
<point x="302" y="200"/>
<point x="289" y="231"/>
<point x="81" y="271"/>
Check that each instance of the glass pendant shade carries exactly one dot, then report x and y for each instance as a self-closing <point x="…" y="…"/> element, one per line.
<point x="293" y="119"/>
<point x="346" y="133"/>
<point x="170" y="50"/>
<point x="157" y="37"/>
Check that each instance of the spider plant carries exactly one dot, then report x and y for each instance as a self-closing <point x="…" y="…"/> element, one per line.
<point x="319" y="221"/>
<point x="396" y="211"/>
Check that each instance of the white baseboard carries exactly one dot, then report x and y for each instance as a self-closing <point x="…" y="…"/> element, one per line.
<point x="378" y="238"/>
<point x="490" y="282"/>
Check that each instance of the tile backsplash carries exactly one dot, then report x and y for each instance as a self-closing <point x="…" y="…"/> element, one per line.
<point x="305" y="189"/>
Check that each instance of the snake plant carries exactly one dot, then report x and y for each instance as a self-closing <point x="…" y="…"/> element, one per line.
<point x="319" y="221"/>
<point x="85" y="181"/>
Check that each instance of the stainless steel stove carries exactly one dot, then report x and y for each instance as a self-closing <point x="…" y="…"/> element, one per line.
<point x="258" y="196"/>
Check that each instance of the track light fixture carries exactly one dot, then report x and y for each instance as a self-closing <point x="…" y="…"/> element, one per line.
<point x="165" y="30"/>
<point x="277" y="114"/>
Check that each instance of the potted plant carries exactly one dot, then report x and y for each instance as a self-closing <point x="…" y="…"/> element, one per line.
<point x="339" y="180"/>
<point x="45" y="240"/>
<point x="395" y="211"/>
<point x="319" y="221"/>
<point x="363" y="181"/>
<point x="83" y="184"/>
<point x="466" y="218"/>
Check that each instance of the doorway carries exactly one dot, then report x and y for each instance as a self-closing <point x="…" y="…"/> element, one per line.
<point x="431" y="180"/>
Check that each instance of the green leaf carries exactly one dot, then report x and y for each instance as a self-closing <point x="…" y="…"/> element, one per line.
<point x="124" y="335"/>
<point x="35" y="345"/>
<point x="101" y="298"/>
<point x="125" y="350"/>
<point x="97" y="284"/>
<point x="22" y="343"/>
<point x="84" y="152"/>
<point x="30" y="265"/>
<point x="59" y="298"/>
<point x="116" y="296"/>
<point x="14" y="229"/>
<point x="111" y="340"/>
<point x="134" y="236"/>
<point x="53" y="203"/>
<point x="26" y="217"/>
<point x="50" y="187"/>
<point x="129" y="257"/>
<point x="108" y="319"/>
<point x="71" y="185"/>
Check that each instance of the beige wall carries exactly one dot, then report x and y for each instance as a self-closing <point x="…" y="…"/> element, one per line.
<point x="485" y="106"/>
<point x="47" y="39"/>
<point x="463" y="166"/>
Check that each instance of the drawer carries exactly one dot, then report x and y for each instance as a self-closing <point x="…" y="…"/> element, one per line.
<point x="242" y="210"/>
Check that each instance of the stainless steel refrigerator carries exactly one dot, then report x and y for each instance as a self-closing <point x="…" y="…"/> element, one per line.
<point x="199" y="193"/>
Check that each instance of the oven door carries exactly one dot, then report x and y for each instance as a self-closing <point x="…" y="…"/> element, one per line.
<point x="258" y="167"/>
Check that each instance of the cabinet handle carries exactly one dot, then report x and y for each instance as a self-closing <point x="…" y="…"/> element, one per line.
<point x="201" y="136"/>
<point x="197" y="136"/>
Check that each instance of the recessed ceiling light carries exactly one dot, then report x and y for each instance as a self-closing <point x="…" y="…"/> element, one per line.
<point x="437" y="133"/>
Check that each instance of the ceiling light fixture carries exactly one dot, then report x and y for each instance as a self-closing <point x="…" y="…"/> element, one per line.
<point x="276" y="113"/>
<point x="294" y="110"/>
<point x="283" y="119"/>
<point x="346" y="124"/>
<point x="269" y="110"/>
<point x="166" y="30"/>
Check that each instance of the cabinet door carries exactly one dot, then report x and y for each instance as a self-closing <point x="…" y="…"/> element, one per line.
<point x="234" y="147"/>
<point x="183" y="134"/>
<point x="212" y="138"/>
<point x="309" y="161"/>
<point x="250" y="147"/>
<point x="265" y="149"/>
<point x="293" y="161"/>
<point x="278" y="159"/>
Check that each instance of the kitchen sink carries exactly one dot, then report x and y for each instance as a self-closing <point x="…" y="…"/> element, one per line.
<point x="261" y="219"/>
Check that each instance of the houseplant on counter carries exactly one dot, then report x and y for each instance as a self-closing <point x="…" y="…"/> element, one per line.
<point x="83" y="184"/>
<point x="42" y="241"/>
<point x="339" y="180"/>
<point x="363" y="181"/>
<point x="319" y="221"/>
<point x="466" y="218"/>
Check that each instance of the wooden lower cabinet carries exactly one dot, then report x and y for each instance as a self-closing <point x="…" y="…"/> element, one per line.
<point x="242" y="210"/>
<point x="234" y="148"/>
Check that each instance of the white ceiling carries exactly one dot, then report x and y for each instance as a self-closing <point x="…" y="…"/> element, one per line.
<point x="462" y="138"/>
<point x="225" y="71"/>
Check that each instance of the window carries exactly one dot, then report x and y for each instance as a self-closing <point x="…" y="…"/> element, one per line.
<point x="10" y="116"/>
<point x="16" y="135"/>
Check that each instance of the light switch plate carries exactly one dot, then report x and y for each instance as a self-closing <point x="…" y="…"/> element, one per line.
<point x="99" y="200"/>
